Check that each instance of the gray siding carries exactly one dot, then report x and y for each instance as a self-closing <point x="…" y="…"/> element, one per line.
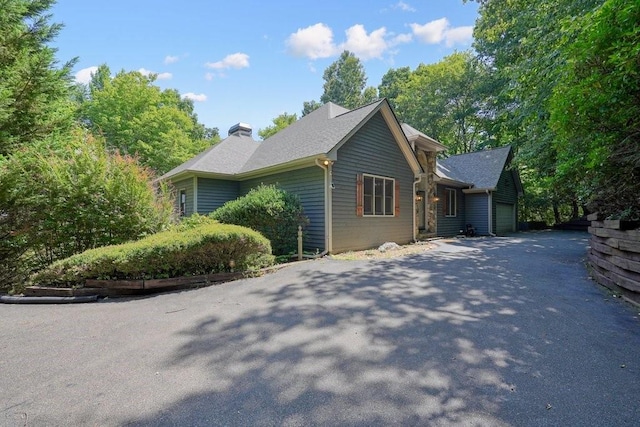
<point x="187" y="185"/>
<point x="308" y="184"/>
<point x="372" y="150"/>
<point x="477" y="213"/>
<point x="449" y="226"/>
<point x="213" y="193"/>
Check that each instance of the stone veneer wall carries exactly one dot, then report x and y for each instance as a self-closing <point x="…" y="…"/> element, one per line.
<point x="614" y="255"/>
<point x="427" y="160"/>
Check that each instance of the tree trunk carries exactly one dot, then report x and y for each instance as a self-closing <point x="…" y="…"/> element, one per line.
<point x="556" y="213"/>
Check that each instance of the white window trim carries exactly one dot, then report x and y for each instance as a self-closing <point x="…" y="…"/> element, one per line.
<point x="449" y="191"/>
<point x="393" y="201"/>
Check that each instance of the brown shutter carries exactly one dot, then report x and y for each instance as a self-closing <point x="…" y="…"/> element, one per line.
<point x="359" y="195"/>
<point x="397" y="197"/>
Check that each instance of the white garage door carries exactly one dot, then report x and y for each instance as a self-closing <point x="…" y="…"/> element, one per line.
<point x="505" y="218"/>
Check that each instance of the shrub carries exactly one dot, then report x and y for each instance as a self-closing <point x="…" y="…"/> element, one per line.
<point x="205" y="249"/>
<point x="270" y="210"/>
<point x="69" y="194"/>
<point x="193" y="221"/>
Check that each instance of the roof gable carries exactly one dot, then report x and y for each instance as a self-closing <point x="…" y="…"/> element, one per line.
<point x="317" y="134"/>
<point x="482" y="169"/>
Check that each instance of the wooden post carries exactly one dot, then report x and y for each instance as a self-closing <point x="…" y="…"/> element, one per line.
<point x="299" y="243"/>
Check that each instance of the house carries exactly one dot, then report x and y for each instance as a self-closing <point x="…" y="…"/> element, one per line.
<point x="356" y="173"/>
<point x="362" y="177"/>
<point x="480" y="189"/>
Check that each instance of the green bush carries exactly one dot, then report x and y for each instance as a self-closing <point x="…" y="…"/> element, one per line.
<point x="205" y="249"/>
<point x="193" y="221"/>
<point x="270" y="210"/>
<point x="68" y="194"/>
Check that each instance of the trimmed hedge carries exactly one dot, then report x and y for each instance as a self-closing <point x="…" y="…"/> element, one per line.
<point x="182" y="251"/>
<point x="270" y="210"/>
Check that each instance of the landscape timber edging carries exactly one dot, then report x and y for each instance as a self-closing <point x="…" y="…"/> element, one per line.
<point x="614" y="256"/>
<point x="115" y="288"/>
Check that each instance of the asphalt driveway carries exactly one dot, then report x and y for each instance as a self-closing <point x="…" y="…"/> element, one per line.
<point x="494" y="331"/>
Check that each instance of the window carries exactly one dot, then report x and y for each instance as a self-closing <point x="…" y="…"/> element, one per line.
<point x="450" y="202"/>
<point x="183" y="202"/>
<point x="377" y="196"/>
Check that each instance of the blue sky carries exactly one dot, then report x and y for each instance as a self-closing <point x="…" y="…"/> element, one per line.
<point x="249" y="61"/>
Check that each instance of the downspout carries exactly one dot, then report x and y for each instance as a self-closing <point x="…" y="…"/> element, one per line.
<point x="328" y="210"/>
<point x="415" y="182"/>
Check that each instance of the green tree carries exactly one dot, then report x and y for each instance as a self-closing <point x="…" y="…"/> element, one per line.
<point x="66" y="194"/>
<point x="33" y="91"/>
<point x="138" y="118"/>
<point x="445" y="101"/>
<point x="523" y="42"/>
<point x="345" y="81"/>
<point x="279" y="123"/>
<point x="309" y="106"/>
<point x="393" y="84"/>
<point x="595" y="108"/>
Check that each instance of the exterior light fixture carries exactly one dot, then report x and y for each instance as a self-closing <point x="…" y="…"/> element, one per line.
<point x="436" y="199"/>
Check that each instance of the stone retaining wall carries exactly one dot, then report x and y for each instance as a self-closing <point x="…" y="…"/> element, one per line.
<point x="614" y="255"/>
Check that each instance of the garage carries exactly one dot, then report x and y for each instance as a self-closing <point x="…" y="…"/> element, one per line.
<point x="505" y="218"/>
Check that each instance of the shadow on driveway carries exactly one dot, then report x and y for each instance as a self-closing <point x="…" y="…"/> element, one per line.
<point x="500" y="331"/>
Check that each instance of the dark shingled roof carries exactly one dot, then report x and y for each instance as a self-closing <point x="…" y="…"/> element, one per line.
<point x="226" y="157"/>
<point x="315" y="134"/>
<point x="481" y="168"/>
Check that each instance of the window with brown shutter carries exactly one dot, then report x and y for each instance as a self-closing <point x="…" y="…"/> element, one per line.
<point x="376" y="196"/>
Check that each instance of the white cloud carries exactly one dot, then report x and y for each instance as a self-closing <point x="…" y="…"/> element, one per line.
<point x="459" y="35"/>
<point x="84" y="76"/>
<point x="404" y="7"/>
<point x="431" y="32"/>
<point x="159" y="76"/>
<point x="313" y="42"/>
<point x="365" y="46"/>
<point x="440" y="30"/>
<point x="198" y="97"/>
<point x="400" y="39"/>
<point x="209" y="76"/>
<point x="235" y="60"/>
<point x="171" y="59"/>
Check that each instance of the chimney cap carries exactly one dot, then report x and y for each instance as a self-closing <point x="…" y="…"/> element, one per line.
<point x="240" y="129"/>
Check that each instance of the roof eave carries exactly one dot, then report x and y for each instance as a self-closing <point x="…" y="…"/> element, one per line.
<point x="448" y="181"/>
<point x="283" y="167"/>
<point x="427" y="144"/>
<point x="477" y="190"/>
<point x="190" y="172"/>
